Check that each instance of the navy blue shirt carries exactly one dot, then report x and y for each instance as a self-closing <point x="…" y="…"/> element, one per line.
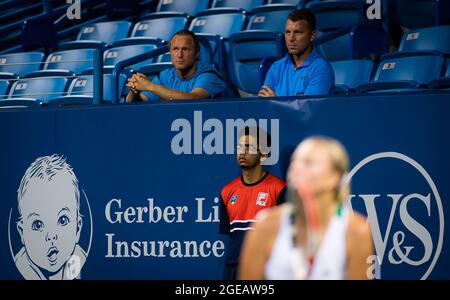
<point x="314" y="77"/>
<point x="205" y="77"/>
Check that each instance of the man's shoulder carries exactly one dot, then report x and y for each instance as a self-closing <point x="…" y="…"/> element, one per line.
<point x="232" y="184"/>
<point x="319" y="62"/>
<point x="275" y="180"/>
<point x="280" y="62"/>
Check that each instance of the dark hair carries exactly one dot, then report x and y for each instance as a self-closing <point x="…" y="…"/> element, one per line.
<point x="186" y="32"/>
<point x="257" y="132"/>
<point x="304" y="14"/>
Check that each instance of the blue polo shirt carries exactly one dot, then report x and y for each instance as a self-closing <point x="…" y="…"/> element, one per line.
<point x="205" y="77"/>
<point x="314" y="77"/>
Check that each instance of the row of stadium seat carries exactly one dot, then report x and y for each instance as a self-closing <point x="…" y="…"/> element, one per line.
<point x="397" y="73"/>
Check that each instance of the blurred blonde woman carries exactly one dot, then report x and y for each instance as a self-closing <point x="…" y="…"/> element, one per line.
<point x="271" y="250"/>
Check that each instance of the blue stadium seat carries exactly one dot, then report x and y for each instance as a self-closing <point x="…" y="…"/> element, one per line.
<point x="405" y="71"/>
<point x="107" y="32"/>
<point x="242" y="4"/>
<point x="247" y="49"/>
<point x="70" y="61"/>
<point x="190" y="7"/>
<point x="113" y="55"/>
<point x="298" y="3"/>
<point x="81" y="90"/>
<point x="40" y="89"/>
<point x="220" y="21"/>
<point x="160" y="25"/>
<point x="270" y="17"/>
<point x="20" y="63"/>
<point x="427" y="39"/>
<point x="349" y="74"/>
<point x="442" y="82"/>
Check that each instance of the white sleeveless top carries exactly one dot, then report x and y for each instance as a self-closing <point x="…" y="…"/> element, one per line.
<point x="330" y="260"/>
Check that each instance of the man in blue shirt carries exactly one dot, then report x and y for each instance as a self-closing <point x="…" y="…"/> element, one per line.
<point x="187" y="79"/>
<point x="302" y="71"/>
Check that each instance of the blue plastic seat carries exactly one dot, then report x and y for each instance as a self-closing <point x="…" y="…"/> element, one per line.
<point x="107" y="32"/>
<point x="21" y="63"/>
<point x="242" y="4"/>
<point x="403" y="71"/>
<point x="71" y="61"/>
<point x="40" y="89"/>
<point x="270" y="17"/>
<point x="247" y="49"/>
<point x="160" y="25"/>
<point x="298" y="3"/>
<point x="113" y="55"/>
<point x="427" y="39"/>
<point x="190" y="7"/>
<point x="349" y="74"/>
<point x="220" y="21"/>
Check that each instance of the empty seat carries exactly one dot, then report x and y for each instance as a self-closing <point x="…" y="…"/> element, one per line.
<point x="425" y="39"/>
<point x="351" y="73"/>
<point x="190" y="7"/>
<point x="38" y="89"/>
<point x="247" y="49"/>
<point x="292" y="2"/>
<point x="20" y="63"/>
<point x="74" y="61"/>
<point x="83" y="88"/>
<point x="402" y="71"/>
<point x="107" y="32"/>
<point x="160" y="25"/>
<point x="114" y="55"/>
<point x="223" y="22"/>
<point x="243" y="4"/>
<point x="270" y="17"/>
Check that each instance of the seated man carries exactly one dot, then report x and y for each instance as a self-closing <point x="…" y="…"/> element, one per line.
<point x="187" y="79"/>
<point x="302" y="71"/>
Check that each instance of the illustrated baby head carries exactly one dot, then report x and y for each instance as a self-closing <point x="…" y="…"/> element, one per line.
<point x="49" y="212"/>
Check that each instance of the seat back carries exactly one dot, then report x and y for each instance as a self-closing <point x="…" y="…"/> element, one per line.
<point x="410" y="68"/>
<point x="352" y="73"/>
<point x="430" y="38"/>
<point x="21" y="63"/>
<point x="190" y="7"/>
<point x="114" y="55"/>
<point x="246" y="51"/>
<point x="243" y="4"/>
<point x="270" y="17"/>
<point x="73" y="60"/>
<point x="42" y="88"/>
<point x="108" y="32"/>
<point x="221" y="22"/>
<point x="163" y="27"/>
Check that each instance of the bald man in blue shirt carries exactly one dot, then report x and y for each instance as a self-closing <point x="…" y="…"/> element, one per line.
<point x="187" y="79"/>
<point x="303" y="71"/>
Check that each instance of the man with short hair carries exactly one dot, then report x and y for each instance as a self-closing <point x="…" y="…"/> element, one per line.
<point x="248" y="194"/>
<point x="303" y="71"/>
<point x="187" y="79"/>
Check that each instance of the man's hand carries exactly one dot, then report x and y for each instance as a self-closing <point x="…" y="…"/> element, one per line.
<point x="138" y="83"/>
<point x="266" y="92"/>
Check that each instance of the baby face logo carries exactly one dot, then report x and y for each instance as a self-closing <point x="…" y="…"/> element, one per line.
<point x="405" y="213"/>
<point x="49" y="222"/>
